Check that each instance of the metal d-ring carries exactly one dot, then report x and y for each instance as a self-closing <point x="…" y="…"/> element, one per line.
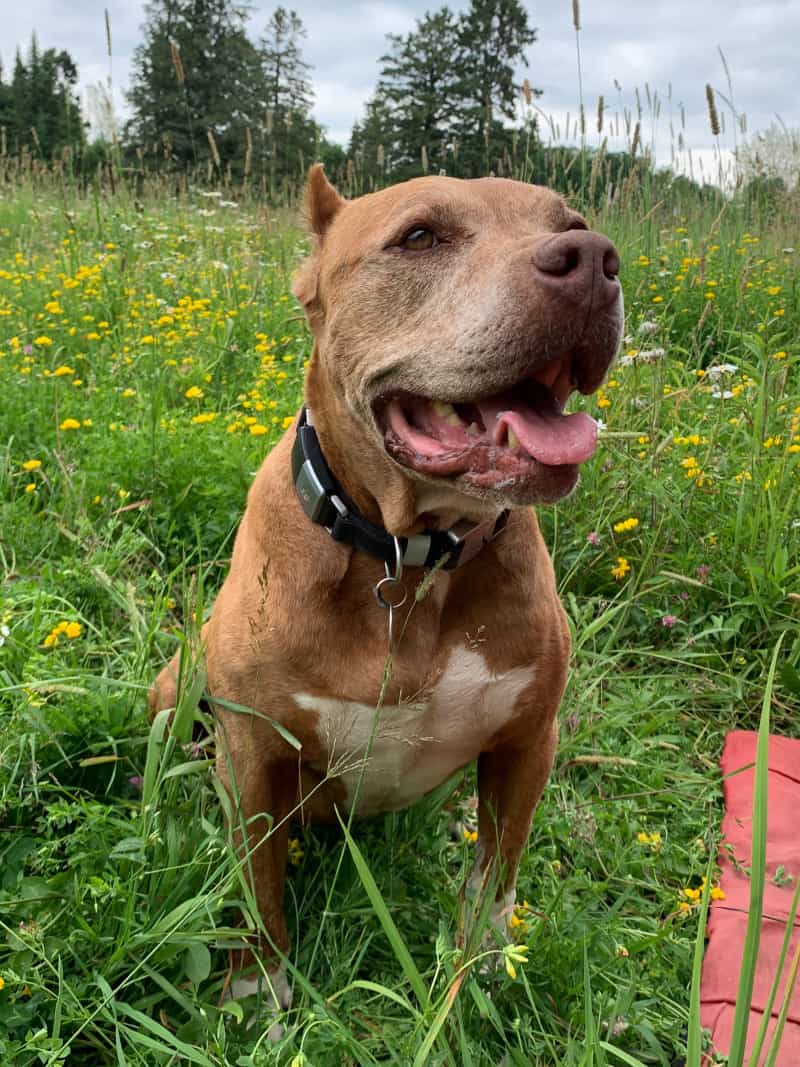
<point x="392" y="581"/>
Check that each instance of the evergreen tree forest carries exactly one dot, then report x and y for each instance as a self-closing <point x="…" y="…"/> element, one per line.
<point x="39" y="110"/>
<point x="213" y="98"/>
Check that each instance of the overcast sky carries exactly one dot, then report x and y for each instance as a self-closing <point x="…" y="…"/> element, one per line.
<point x="637" y="42"/>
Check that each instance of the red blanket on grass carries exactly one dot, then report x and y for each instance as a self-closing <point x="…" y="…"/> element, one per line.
<point x="728" y="917"/>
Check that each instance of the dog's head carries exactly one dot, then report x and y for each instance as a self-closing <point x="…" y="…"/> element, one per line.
<point x="453" y="319"/>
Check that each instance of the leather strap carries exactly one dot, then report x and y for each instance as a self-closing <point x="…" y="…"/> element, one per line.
<point x="325" y="502"/>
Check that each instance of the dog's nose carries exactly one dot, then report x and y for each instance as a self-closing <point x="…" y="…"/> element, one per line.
<point x="579" y="265"/>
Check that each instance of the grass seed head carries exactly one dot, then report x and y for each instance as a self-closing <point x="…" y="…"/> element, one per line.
<point x="713" y="117"/>
<point x="177" y="62"/>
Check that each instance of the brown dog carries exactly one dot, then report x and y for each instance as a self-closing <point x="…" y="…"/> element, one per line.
<point x="452" y="320"/>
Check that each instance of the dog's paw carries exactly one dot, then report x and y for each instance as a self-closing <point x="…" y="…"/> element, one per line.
<point x="274" y="998"/>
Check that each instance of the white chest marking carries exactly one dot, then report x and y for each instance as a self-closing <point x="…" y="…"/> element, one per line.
<point x="420" y="742"/>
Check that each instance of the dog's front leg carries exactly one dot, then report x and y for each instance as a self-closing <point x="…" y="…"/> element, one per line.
<point x="262" y="796"/>
<point x="511" y="779"/>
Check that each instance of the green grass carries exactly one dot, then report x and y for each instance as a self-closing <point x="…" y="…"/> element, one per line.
<point x="118" y="890"/>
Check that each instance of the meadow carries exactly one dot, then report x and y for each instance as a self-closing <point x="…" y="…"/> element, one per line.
<point x="151" y="353"/>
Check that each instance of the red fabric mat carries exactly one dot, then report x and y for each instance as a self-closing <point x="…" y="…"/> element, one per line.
<point x="728" y="917"/>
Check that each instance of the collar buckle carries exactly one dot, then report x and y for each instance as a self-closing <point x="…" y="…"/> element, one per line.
<point x="468" y="539"/>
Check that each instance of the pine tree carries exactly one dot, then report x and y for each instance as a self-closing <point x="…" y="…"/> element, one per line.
<point x="374" y="146"/>
<point x="196" y="71"/>
<point x="493" y="36"/>
<point x="447" y="98"/>
<point x="5" y="109"/>
<point x="418" y="92"/>
<point x="290" y="137"/>
<point x="41" y="111"/>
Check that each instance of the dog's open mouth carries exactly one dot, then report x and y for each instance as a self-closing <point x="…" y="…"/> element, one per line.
<point x="495" y="439"/>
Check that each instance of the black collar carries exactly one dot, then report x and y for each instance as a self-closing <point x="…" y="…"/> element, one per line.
<point x="325" y="503"/>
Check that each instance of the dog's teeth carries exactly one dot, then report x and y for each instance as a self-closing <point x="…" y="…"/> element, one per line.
<point x="513" y="440"/>
<point x="474" y="430"/>
<point x="445" y="410"/>
<point x="454" y="419"/>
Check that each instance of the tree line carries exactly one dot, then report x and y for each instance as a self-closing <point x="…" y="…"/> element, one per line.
<point x="205" y="95"/>
<point x="208" y="99"/>
<point x="446" y="96"/>
<point x="39" y="108"/>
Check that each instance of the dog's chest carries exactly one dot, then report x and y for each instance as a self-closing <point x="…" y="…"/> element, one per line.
<point x="420" y="742"/>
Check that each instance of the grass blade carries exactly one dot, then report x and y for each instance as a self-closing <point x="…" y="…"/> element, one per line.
<point x="755" y="1055"/>
<point x="787" y="1000"/>
<point x="387" y="922"/>
<point x="758" y="863"/>
<point x="694" y="1042"/>
<point x="619" y="1054"/>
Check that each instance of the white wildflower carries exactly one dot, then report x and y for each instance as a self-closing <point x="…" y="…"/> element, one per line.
<point x="719" y="369"/>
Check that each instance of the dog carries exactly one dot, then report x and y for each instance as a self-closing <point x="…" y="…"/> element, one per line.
<point x="451" y="321"/>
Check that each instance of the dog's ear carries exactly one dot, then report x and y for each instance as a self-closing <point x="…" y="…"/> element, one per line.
<point x="321" y="204"/>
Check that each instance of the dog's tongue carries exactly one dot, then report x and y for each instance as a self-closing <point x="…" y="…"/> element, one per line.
<point x="543" y="431"/>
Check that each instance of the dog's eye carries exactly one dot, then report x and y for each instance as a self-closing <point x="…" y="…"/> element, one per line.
<point x="577" y="224"/>
<point x="419" y="240"/>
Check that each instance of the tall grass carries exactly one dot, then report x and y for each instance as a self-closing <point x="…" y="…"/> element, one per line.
<point x="119" y="887"/>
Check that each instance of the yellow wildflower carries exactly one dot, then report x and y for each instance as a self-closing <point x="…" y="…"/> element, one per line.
<point x="621" y="569"/>
<point x="295" y="851"/>
<point x="626" y="525"/>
